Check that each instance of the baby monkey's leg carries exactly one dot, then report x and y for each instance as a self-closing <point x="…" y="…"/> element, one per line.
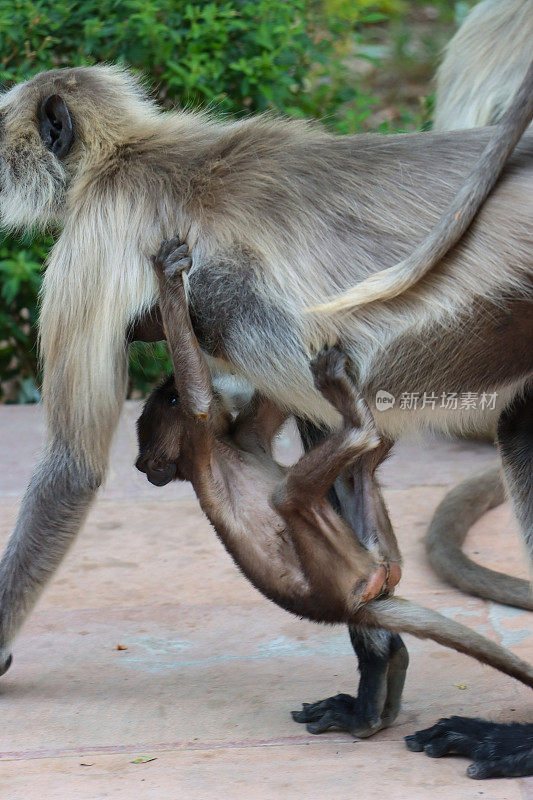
<point x="317" y="470"/>
<point x="366" y="510"/>
<point x="257" y="424"/>
<point x="340" y="568"/>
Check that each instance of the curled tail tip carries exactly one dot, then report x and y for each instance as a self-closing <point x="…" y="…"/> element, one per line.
<point x="338" y="305"/>
<point x="362" y="295"/>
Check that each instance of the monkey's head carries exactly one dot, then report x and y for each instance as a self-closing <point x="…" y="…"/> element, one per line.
<point x="160" y="431"/>
<point x="53" y="128"/>
<point x="163" y="433"/>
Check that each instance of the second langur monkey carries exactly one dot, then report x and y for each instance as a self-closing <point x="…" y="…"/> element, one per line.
<point x="484" y="64"/>
<point x="278" y="524"/>
<point x="480" y="75"/>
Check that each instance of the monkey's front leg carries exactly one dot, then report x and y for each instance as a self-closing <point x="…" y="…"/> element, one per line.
<point x="53" y="509"/>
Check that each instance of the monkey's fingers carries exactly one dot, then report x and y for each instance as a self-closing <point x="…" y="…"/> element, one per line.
<point x="469" y="732"/>
<point x="512" y="766"/>
<point x="313" y="711"/>
<point x="169" y="255"/>
<point x="173" y="269"/>
<point x="328" y="364"/>
<point x="334" y="712"/>
<point x="331" y="719"/>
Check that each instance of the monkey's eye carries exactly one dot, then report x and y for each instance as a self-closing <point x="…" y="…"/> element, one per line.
<point x="173" y="400"/>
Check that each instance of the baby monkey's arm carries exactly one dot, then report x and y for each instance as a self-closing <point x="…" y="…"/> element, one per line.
<point x="191" y="373"/>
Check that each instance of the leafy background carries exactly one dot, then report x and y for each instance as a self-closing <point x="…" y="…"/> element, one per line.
<point x="354" y="64"/>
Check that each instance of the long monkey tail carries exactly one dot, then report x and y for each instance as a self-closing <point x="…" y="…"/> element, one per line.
<point x="447" y="532"/>
<point x="396" y="280"/>
<point x="402" y="616"/>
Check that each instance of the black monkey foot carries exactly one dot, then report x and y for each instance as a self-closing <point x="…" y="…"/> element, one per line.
<point x="172" y="259"/>
<point x="7" y="663"/>
<point x="498" y="750"/>
<point x="380" y="690"/>
<point x="342" y="712"/>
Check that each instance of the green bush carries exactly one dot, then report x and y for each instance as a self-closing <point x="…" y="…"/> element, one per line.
<point x="233" y="56"/>
<point x="20" y="279"/>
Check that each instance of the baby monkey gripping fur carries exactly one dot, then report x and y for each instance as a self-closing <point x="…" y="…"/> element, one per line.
<point x="278" y="524"/>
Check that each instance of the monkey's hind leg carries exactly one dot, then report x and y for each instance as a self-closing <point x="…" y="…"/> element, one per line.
<point x="383" y="661"/>
<point x="365" y="509"/>
<point x="342" y="571"/>
<point x="315" y="473"/>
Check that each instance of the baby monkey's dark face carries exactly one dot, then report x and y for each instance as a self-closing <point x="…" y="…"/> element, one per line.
<point x="160" y="431"/>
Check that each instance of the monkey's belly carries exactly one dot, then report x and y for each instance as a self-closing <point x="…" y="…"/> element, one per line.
<point x="252" y="531"/>
<point x="248" y="486"/>
<point x="454" y="377"/>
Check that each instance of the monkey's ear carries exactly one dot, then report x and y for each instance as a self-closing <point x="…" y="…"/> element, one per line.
<point x="55" y="125"/>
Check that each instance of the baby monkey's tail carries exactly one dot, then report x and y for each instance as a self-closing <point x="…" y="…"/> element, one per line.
<point x="402" y="616"/>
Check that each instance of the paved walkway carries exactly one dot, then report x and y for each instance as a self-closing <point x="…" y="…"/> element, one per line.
<point x="210" y="670"/>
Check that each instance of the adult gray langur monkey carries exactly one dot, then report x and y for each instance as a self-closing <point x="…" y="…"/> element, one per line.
<point x="279" y="216"/>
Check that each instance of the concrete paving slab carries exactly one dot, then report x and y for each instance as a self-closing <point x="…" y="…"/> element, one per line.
<point x="270" y="771"/>
<point x="210" y="669"/>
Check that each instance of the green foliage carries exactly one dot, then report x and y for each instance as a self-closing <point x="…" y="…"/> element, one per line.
<point x="234" y="56"/>
<point x="149" y="361"/>
<point x="20" y="279"/>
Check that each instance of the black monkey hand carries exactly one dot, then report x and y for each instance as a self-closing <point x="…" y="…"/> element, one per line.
<point x="497" y="749"/>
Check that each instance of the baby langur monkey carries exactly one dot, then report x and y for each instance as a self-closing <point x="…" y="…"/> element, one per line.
<point x="277" y="523"/>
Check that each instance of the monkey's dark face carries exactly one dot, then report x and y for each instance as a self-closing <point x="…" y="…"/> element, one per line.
<point x="160" y="430"/>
